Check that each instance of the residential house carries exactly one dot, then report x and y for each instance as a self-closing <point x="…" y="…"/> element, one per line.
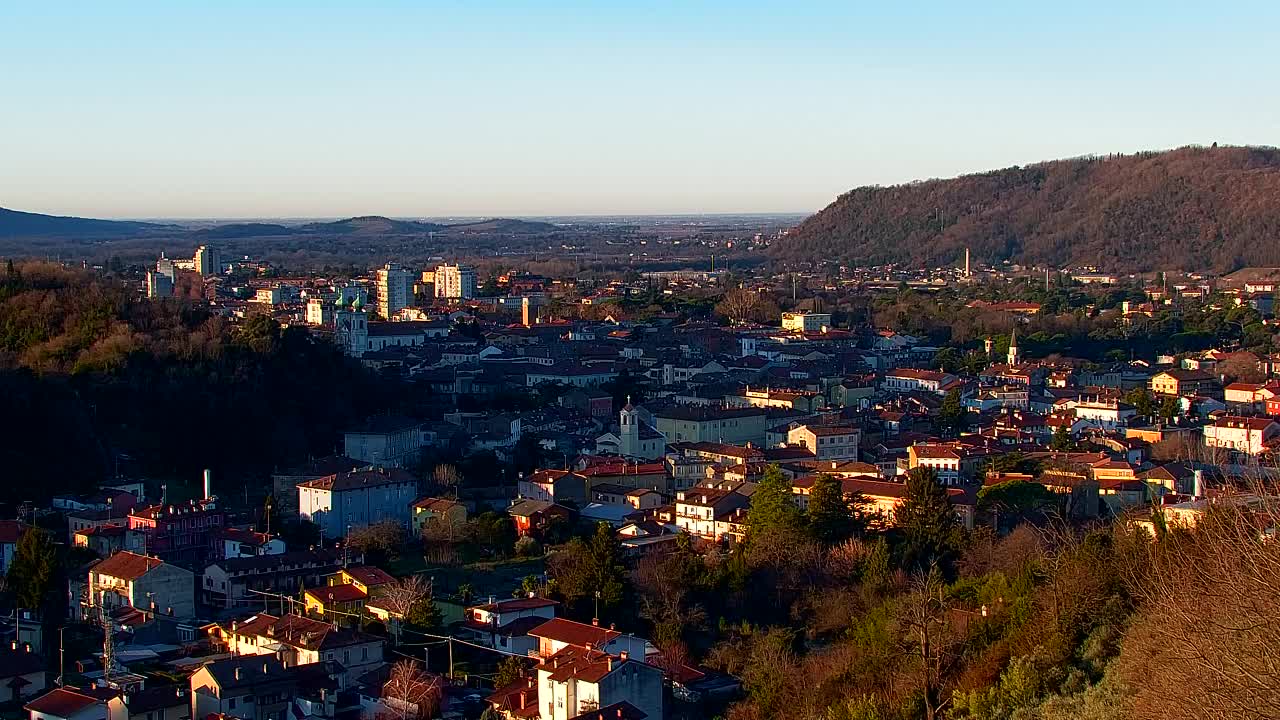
<point x="260" y="687"/>
<point x="698" y="423"/>
<point x="341" y="603"/>
<point x="357" y="498"/>
<point x="22" y="673"/>
<point x="591" y="402"/>
<point x="437" y="511"/>
<point x="144" y="583"/>
<point x="505" y="624"/>
<point x="389" y="440"/>
<point x="235" y="581"/>
<point x="1249" y="396"/>
<point x="1177" y="382"/>
<point x="103" y="540"/>
<point x="827" y="442"/>
<point x="247" y="543"/>
<point x="882" y="498"/>
<point x="285" y="484"/>
<point x="71" y="703"/>
<point x="533" y="516"/>
<point x="907" y="380"/>
<point x="168" y="702"/>
<point x="582" y="682"/>
<point x="189" y="533"/>
<point x="1245" y="435"/>
<point x="800" y="400"/>
<point x="711" y="514"/>
<point x="558" y="633"/>
<point x="297" y="640"/>
<point x="553" y="486"/>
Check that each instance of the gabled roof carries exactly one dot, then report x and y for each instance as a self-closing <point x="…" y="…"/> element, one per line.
<point x="359" y="479"/>
<point x="574" y="633"/>
<point x="337" y="593"/>
<point x="369" y="576"/>
<point x="62" y="702"/>
<point x="127" y="566"/>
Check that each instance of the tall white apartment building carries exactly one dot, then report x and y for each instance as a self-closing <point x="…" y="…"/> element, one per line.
<point x="207" y="261"/>
<point x="455" y="281"/>
<point x="395" y="289"/>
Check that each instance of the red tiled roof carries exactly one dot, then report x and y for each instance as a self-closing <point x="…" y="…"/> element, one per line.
<point x="127" y="566"/>
<point x="337" y="593"/>
<point x="369" y="576"/>
<point x="574" y="633"/>
<point x="61" y="702"/>
<point x="580" y="664"/>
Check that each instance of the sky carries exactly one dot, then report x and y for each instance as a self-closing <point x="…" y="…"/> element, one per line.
<point x="235" y="109"/>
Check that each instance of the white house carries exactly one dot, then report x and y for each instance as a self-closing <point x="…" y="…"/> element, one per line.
<point x="69" y="704"/>
<point x="904" y="380"/>
<point x="826" y="442"/>
<point x="298" y="640"/>
<point x="144" y="583"/>
<point x="1247" y="435"/>
<point x="505" y="624"/>
<point x="357" y="498"/>
<point x="580" y="681"/>
<point x="1103" y="413"/>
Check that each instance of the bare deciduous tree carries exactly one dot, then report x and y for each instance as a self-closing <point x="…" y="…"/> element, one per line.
<point x="411" y="693"/>
<point x="1207" y="644"/>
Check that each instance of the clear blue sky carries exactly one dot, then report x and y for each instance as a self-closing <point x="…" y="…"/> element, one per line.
<point x="257" y="109"/>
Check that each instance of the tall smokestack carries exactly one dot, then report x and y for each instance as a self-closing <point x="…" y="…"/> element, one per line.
<point x="208" y="484"/>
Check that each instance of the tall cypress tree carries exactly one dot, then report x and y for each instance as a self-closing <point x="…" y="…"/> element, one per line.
<point x="773" y="504"/>
<point x="831" y="518"/>
<point x="933" y="532"/>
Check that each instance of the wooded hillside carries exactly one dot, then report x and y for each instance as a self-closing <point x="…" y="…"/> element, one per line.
<point x="1189" y="209"/>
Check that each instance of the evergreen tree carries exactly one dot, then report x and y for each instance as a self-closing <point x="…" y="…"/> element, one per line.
<point x="773" y="504"/>
<point x="35" y="561"/>
<point x="424" y="614"/>
<point x="831" y="517"/>
<point x="1061" y="439"/>
<point x="933" y="532"/>
<point x="951" y="416"/>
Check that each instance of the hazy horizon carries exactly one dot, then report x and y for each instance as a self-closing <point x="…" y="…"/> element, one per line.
<point x="402" y="109"/>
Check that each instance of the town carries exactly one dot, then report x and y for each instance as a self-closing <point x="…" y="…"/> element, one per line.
<point x="598" y="491"/>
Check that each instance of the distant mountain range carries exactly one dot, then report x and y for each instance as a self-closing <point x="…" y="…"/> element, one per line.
<point x="14" y="223"/>
<point x="1191" y="209"/>
<point x="23" y="225"/>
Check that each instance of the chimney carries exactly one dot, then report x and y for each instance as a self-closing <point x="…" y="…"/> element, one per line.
<point x="265" y="668"/>
<point x="523" y="699"/>
<point x="624" y="655"/>
<point x="609" y="663"/>
<point x="1197" y="488"/>
<point x="208" y="484"/>
<point x="595" y="622"/>
<point x="237" y="673"/>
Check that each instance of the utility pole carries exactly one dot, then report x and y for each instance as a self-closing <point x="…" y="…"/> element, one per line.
<point x="62" y="653"/>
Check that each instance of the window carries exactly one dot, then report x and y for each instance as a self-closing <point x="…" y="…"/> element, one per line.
<point x="364" y="653"/>
<point x="231" y="704"/>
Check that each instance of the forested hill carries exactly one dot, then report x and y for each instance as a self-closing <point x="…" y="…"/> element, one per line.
<point x="1191" y="209"/>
